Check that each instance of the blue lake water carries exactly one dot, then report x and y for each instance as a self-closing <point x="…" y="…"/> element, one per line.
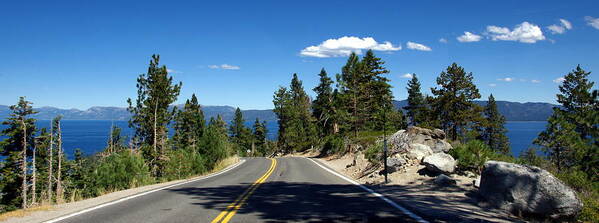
<point x="92" y="136"/>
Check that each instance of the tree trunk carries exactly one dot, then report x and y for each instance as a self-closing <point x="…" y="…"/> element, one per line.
<point x="24" y="167"/>
<point x="59" y="195"/>
<point x="50" y="163"/>
<point x="33" y="178"/>
<point x="155" y="137"/>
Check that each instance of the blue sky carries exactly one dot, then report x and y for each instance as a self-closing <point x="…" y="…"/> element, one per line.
<point x="78" y="54"/>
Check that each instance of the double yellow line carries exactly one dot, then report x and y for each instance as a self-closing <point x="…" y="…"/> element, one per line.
<point x="226" y="215"/>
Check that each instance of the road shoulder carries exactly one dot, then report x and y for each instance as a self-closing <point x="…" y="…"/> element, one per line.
<point x="429" y="202"/>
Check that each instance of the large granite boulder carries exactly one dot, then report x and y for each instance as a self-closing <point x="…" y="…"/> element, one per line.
<point x="527" y="190"/>
<point x="401" y="141"/>
<point x="439" y="163"/>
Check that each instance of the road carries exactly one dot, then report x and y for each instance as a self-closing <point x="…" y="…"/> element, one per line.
<point x="258" y="190"/>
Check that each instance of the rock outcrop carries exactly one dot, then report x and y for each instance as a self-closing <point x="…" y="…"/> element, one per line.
<point x="527" y="190"/>
<point x="419" y="151"/>
<point x="402" y="141"/>
<point x="439" y="163"/>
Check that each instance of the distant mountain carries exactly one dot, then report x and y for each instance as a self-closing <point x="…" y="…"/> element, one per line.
<point x="117" y="113"/>
<point x="513" y="111"/>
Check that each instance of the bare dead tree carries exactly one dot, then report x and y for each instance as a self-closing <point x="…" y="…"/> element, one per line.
<point x="50" y="152"/>
<point x="24" y="166"/>
<point x="59" y="192"/>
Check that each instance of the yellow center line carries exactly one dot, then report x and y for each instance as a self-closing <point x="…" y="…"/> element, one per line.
<point x="240" y="201"/>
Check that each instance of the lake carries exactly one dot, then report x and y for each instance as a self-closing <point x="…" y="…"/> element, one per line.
<point x="91" y="136"/>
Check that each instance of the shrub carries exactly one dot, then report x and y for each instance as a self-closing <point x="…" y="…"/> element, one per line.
<point x="120" y="171"/>
<point x="333" y="144"/>
<point x="374" y="152"/>
<point x="472" y="155"/>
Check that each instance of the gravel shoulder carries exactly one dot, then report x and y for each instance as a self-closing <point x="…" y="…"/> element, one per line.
<point x="417" y="192"/>
<point x="55" y="211"/>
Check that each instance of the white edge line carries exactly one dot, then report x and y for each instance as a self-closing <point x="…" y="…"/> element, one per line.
<point x="376" y="194"/>
<point x="142" y="194"/>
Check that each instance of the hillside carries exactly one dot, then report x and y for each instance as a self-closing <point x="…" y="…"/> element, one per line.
<point x="513" y="111"/>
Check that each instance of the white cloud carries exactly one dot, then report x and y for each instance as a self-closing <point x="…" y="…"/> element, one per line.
<point x="469" y="37"/>
<point x="524" y="32"/>
<point x="344" y="46"/>
<point x="443" y="40"/>
<point x="492" y="85"/>
<point x="408" y="75"/>
<point x="507" y="79"/>
<point x="594" y="22"/>
<point x="224" y="66"/>
<point x="560" y="28"/>
<point x="417" y="46"/>
<point x="172" y="71"/>
<point x="535" y="81"/>
<point x="559" y="80"/>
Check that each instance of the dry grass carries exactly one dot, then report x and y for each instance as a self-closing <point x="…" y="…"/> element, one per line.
<point x="22" y="213"/>
<point x="224" y="164"/>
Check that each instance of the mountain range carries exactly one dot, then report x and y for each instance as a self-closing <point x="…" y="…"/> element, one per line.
<point x="513" y="111"/>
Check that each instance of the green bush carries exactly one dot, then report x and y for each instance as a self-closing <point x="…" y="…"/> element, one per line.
<point x="119" y="171"/>
<point x="183" y="163"/>
<point x="374" y="153"/>
<point x="333" y="144"/>
<point x="472" y="155"/>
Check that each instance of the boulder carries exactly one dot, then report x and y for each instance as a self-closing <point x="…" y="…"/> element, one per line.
<point x="439" y="163"/>
<point x="418" y="151"/>
<point x="401" y="141"/>
<point x="394" y="163"/>
<point x="444" y="180"/>
<point x="527" y="190"/>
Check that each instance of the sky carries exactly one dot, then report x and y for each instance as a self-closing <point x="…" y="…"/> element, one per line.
<point x="79" y="54"/>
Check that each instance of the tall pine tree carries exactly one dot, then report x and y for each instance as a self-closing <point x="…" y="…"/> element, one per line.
<point x="417" y="106"/>
<point x="296" y="124"/>
<point x="323" y="107"/>
<point x="151" y="114"/>
<point x="453" y="104"/>
<point x="16" y="148"/>
<point x="494" y="129"/>
<point x="189" y="124"/>
<point x="240" y="134"/>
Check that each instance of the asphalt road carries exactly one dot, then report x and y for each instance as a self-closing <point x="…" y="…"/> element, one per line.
<point x="259" y="190"/>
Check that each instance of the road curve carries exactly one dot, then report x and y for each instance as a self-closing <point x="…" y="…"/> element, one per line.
<point x="259" y="190"/>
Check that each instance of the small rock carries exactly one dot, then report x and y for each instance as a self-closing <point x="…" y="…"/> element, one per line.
<point x="439" y="163"/>
<point x="394" y="163"/>
<point x="476" y="182"/>
<point x="444" y="180"/>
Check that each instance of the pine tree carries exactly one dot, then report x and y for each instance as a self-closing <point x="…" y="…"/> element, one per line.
<point x="323" y="106"/>
<point x="296" y="124"/>
<point x="351" y="94"/>
<point x="240" y="134"/>
<point x="453" y="104"/>
<point x="379" y="99"/>
<point x="494" y="130"/>
<point x="150" y="112"/>
<point x="259" y="135"/>
<point x="560" y="140"/>
<point x="417" y="106"/>
<point x="190" y="124"/>
<point x="16" y="148"/>
<point x="577" y="116"/>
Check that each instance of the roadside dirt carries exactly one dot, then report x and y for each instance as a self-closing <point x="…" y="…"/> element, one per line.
<point x="415" y="190"/>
